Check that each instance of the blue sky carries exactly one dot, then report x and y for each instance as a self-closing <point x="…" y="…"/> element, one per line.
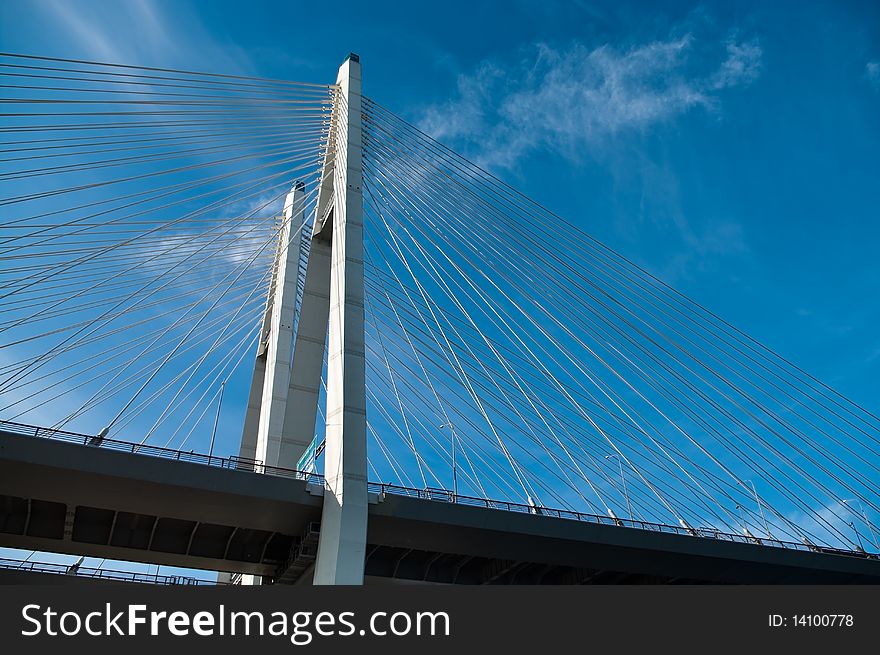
<point x="729" y="147"/>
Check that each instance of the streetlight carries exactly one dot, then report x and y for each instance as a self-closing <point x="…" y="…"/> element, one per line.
<point x="745" y="525"/>
<point x="216" y="421"/>
<point x="858" y="536"/>
<point x="454" y="468"/>
<point x="865" y="517"/>
<point x="760" y="509"/>
<point x="623" y="479"/>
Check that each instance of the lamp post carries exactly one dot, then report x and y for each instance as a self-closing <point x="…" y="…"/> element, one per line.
<point x="454" y="467"/>
<point x="858" y="536"/>
<point x="745" y="525"/>
<point x="760" y="508"/>
<point x="216" y="421"/>
<point x="623" y="480"/>
<point x="865" y="518"/>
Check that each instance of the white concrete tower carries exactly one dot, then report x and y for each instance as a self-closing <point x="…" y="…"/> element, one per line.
<point x="263" y="438"/>
<point x="342" y="545"/>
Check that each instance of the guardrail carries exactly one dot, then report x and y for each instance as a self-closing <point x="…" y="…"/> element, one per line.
<point x="445" y="495"/>
<point x="101" y="573"/>
<point x="434" y="494"/>
<point x="231" y="462"/>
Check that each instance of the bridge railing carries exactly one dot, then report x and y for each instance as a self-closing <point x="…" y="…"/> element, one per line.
<point x="428" y="493"/>
<point x="445" y="495"/>
<point x="231" y="462"/>
<point x="101" y="573"/>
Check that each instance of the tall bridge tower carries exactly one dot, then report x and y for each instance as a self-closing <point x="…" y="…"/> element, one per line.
<point x="280" y="420"/>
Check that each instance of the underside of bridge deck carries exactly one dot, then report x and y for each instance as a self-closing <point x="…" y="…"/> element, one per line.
<point x="84" y="500"/>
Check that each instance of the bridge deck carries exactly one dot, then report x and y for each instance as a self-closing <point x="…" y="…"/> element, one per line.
<point x="105" y="502"/>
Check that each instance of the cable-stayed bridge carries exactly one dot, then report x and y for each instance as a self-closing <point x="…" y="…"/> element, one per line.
<point x="270" y="328"/>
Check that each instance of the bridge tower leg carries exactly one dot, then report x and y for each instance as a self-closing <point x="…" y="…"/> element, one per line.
<point x="280" y="420"/>
<point x="342" y="544"/>
<point x="263" y="437"/>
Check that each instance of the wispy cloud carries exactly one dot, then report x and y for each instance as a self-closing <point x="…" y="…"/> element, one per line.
<point x="83" y="30"/>
<point x="742" y="66"/>
<point x="140" y="32"/>
<point x="872" y="71"/>
<point x="571" y="98"/>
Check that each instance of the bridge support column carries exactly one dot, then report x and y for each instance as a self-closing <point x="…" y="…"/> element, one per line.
<point x="308" y="352"/>
<point x="270" y="438"/>
<point x="342" y="544"/>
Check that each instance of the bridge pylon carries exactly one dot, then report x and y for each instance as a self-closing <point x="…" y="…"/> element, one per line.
<point x="285" y="388"/>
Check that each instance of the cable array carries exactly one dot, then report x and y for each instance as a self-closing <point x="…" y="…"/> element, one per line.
<point x="560" y="374"/>
<point x="140" y="221"/>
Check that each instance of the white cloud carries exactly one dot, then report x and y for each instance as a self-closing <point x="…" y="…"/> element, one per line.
<point x="742" y="66"/>
<point x="570" y="99"/>
<point x="139" y="32"/>
<point x="85" y="31"/>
